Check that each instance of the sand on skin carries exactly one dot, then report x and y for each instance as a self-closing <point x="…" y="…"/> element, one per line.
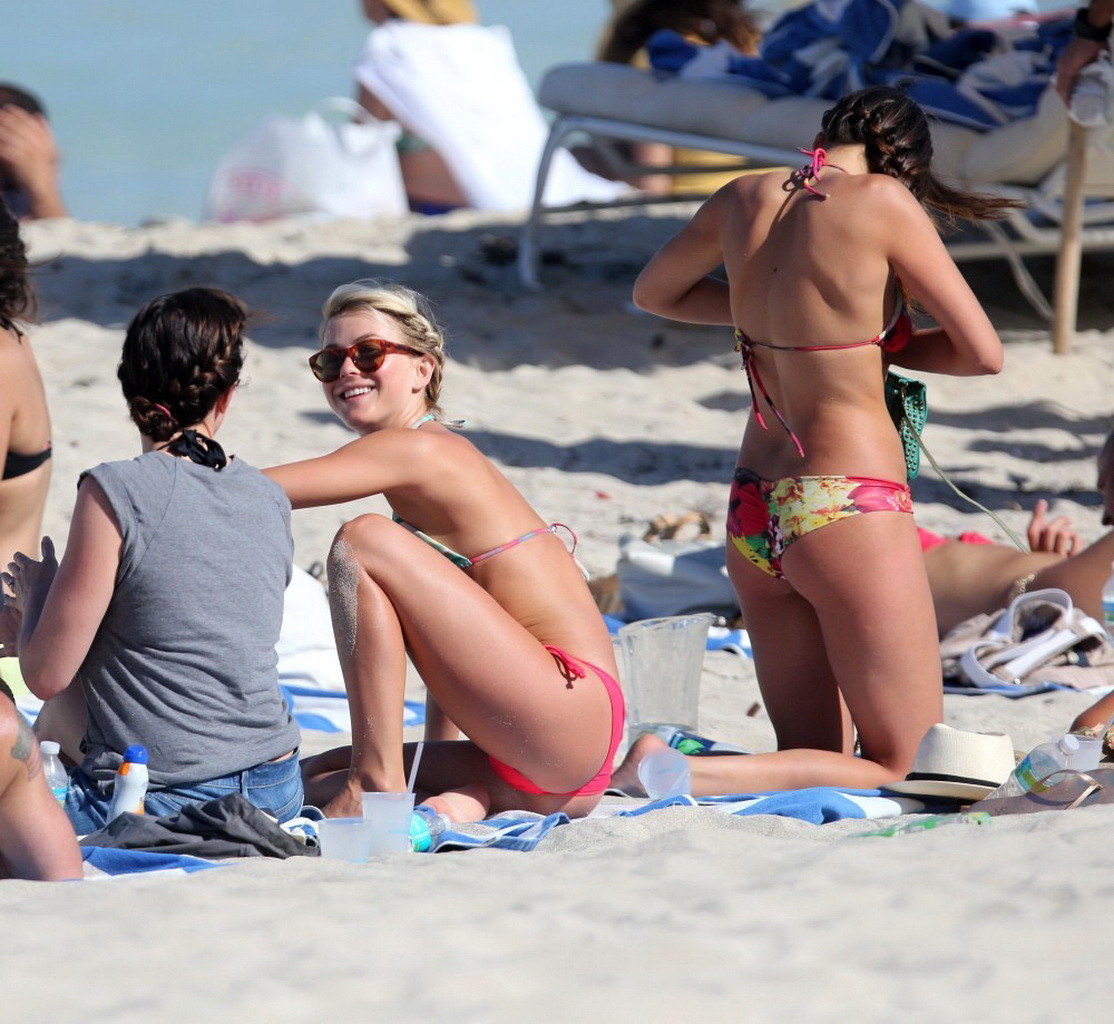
<point x="603" y="418"/>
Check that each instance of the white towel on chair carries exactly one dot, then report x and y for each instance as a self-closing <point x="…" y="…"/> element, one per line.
<point x="460" y="88"/>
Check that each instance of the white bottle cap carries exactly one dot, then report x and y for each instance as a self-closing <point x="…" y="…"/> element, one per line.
<point x="49" y="747"/>
<point x="1069" y="744"/>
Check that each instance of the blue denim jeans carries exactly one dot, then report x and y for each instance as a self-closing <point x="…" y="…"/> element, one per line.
<point x="274" y="787"/>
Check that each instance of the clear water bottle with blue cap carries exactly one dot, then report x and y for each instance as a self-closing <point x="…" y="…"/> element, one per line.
<point x="426" y="828"/>
<point x="54" y="770"/>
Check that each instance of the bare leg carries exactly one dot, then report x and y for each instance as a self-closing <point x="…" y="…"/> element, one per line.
<point x="371" y="646"/>
<point x="491" y="676"/>
<point x="36" y="838"/>
<point x="796" y="679"/>
<point x="1083" y="576"/>
<point x="865" y="580"/>
<point x="63" y="720"/>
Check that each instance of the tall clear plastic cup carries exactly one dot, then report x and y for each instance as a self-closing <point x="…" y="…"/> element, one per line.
<point x="662" y="662"/>
<point x="388" y="818"/>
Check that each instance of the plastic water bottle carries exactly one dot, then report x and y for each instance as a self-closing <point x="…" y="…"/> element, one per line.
<point x="55" y="772"/>
<point x="664" y="773"/>
<point x="1039" y="763"/>
<point x="1108" y="603"/>
<point x="426" y="827"/>
<point x="131" y="783"/>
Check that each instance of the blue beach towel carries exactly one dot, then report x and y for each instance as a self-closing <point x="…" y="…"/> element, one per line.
<point x="109" y="861"/>
<point x="522" y="831"/>
<point x="828" y="48"/>
<point x="327" y="710"/>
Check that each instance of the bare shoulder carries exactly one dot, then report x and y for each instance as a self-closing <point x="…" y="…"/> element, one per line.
<point x="753" y="188"/>
<point x="887" y="197"/>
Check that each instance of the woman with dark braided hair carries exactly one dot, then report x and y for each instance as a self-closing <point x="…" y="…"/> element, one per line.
<point x="24" y="418"/>
<point x="823" y="550"/>
<point x="167" y="604"/>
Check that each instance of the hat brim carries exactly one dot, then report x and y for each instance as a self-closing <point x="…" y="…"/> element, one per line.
<point x="940" y="788"/>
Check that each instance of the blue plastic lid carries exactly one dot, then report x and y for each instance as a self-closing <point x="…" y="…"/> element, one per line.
<point x="136" y="754"/>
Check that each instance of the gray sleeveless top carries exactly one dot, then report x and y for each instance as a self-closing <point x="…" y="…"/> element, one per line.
<point x="184" y="661"/>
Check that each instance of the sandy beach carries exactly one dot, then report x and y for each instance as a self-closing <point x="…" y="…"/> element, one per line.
<point x="603" y="417"/>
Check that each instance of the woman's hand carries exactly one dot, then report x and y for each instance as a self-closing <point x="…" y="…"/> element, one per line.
<point x="29" y="582"/>
<point x="1056" y="536"/>
<point x="11" y="619"/>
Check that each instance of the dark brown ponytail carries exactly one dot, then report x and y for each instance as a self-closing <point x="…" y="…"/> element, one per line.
<point x="894" y="131"/>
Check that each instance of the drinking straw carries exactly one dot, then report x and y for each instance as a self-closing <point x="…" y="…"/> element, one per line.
<point x="414" y="766"/>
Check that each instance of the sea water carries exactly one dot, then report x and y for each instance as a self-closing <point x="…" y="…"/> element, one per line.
<point x="146" y="96"/>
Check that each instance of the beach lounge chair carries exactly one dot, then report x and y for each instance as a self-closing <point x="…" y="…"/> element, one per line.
<point x="1024" y="159"/>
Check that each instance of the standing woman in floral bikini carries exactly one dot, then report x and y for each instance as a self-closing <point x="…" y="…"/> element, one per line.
<point x="823" y="549"/>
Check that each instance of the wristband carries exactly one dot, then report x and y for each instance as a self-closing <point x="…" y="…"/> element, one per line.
<point x="1085" y="30"/>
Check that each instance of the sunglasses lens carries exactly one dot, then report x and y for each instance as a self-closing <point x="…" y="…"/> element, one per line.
<point x="368" y="356"/>
<point x="326" y="364"/>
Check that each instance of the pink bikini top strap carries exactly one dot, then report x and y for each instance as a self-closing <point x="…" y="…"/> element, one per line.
<point x="743" y="345"/>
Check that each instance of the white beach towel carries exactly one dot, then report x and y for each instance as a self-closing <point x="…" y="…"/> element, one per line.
<point x="460" y="88"/>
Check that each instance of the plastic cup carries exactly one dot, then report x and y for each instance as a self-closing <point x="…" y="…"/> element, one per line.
<point x="664" y="773"/>
<point x="662" y="662"/>
<point x="388" y="819"/>
<point x="344" y="839"/>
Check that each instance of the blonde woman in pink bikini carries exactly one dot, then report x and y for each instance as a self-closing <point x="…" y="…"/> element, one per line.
<point x="823" y="550"/>
<point x="466" y="578"/>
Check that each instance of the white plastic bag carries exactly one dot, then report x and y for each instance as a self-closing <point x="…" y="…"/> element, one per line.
<point x="311" y="164"/>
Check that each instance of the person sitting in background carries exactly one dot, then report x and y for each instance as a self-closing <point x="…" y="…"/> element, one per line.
<point x="36" y="839"/>
<point x="430" y="185"/>
<point x="969" y="579"/>
<point x="703" y="23"/>
<point x="1091" y="40"/>
<point x="28" y="156"/>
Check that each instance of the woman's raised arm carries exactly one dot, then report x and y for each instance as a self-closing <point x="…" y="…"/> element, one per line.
<point x="965" y="343"/>
<point x="677" y="282"/>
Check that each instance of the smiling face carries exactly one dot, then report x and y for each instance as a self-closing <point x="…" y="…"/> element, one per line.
<point x="394" y="395"/>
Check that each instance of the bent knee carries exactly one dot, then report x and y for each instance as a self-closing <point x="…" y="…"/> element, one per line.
<point x="360" y="540"/>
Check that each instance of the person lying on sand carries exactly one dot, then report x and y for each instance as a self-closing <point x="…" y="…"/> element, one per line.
<point x="167" y="604"/>
<point x="36" y="839"/>
<point x="466" y="578"/>
<point x="971" y="578"/>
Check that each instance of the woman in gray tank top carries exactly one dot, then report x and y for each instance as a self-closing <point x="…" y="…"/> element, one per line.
<point x="132" y="617"/>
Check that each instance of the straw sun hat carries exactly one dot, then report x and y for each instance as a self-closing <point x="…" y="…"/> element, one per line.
<point x="959" y="765"/>
<point x="434" y="12"/>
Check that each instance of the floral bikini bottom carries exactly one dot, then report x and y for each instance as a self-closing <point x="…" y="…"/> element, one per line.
<point x="765" y="516"/>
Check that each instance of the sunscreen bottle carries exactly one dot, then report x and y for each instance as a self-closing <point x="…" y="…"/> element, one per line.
<point x="131" y="783"/>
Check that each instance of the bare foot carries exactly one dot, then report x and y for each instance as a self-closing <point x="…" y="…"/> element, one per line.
<point x="347" y="803"/>
<point x="625" y="777"/>
<point x="469" y="803"/>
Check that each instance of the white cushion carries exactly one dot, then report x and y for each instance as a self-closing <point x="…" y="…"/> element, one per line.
<point x="1020" y="153"/>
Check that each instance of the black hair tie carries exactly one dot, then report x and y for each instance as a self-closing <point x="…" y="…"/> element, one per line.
<point x="198" y="448"/>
